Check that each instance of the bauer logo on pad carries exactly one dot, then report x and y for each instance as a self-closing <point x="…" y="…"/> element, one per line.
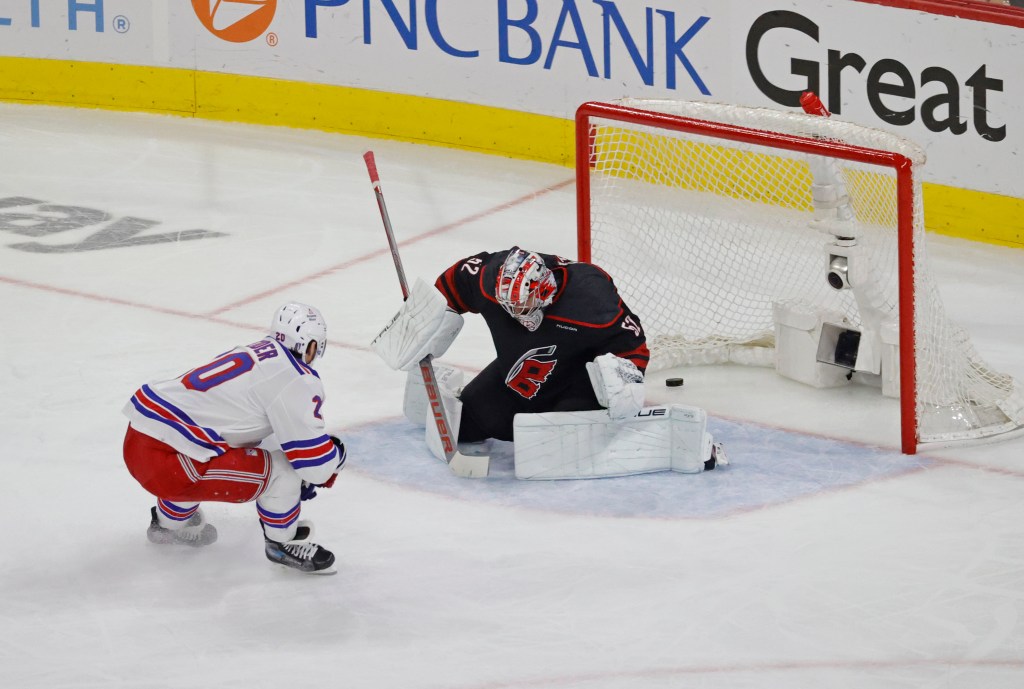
<point x="237" y="21"/>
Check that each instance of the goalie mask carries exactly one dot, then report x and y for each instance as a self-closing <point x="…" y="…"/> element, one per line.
<point x="525" y="286"/>
<point x="295" y="325"/>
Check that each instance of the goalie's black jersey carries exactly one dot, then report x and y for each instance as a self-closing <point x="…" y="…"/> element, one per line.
<point x="540" y="369"/>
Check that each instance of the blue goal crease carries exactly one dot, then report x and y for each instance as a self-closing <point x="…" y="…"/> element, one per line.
<point x="767" y="467"/>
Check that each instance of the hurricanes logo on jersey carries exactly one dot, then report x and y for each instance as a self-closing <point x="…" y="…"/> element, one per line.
<point x="237" y="21"/>
<point x="530" y="372"/>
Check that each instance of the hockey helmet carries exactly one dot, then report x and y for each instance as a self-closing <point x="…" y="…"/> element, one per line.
<point x="295" y="325"/>
<point x="525" y="286"/>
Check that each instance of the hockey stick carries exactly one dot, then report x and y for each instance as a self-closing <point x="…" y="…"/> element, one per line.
<point x="460" y="464"/>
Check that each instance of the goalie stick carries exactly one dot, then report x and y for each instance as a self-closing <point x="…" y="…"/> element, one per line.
<point x="460" y="464"/>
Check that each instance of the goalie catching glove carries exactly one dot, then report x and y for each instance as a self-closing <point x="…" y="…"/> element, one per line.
<point x="423" y="326"/>
<point x="618" y="384"/>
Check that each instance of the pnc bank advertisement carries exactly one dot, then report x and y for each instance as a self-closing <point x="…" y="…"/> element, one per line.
<point x="950" y="84"/>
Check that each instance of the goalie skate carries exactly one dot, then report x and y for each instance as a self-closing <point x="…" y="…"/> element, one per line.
<point x="196" y="532"/>
<point x="718" y="457"/>
<point x="300" y="553"/>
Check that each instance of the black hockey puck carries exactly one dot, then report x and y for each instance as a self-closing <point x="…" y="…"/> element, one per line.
<point x="673" y="382"/>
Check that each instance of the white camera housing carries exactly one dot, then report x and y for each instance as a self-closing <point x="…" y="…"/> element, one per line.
<point x="838" y="272"/>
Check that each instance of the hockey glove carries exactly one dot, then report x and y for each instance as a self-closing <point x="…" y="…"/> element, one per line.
<point x="618" y="385"/>
<point x="308" y="491"/>
<point x="342" y="456"/>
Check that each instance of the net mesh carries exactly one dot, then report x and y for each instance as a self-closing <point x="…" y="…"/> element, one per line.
<point x="703" y="235"/>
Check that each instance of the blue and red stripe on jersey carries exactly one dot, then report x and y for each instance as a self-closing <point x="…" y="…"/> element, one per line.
<point x="152" y="406"/>
<point x="310" y="453"/>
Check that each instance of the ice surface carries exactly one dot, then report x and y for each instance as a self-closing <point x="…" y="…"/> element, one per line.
<point x="820" y="557"/>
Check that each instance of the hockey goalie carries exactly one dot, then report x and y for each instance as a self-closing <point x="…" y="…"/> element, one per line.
<point x="567" y="383"/>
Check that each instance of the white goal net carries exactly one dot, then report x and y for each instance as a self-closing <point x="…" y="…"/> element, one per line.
<point x="706" y="217"/>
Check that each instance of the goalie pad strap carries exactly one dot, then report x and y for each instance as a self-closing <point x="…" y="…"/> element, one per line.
<point x="588" y="444"/>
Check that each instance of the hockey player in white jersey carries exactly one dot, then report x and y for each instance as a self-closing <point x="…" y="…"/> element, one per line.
<point x="194" y="438"/>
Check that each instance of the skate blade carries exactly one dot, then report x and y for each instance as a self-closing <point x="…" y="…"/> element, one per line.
<point x="306" y="572"/>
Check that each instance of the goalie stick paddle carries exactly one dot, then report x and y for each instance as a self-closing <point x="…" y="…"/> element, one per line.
<point x="460" y="464"/>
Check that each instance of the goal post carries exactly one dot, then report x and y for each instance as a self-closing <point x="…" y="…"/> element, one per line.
<point x="755" y="236"/>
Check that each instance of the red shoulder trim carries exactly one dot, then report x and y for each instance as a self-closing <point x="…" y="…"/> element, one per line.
<point x="445" y="284"/>
<point x="488" y="294"/>
<point x="641" y="356"/>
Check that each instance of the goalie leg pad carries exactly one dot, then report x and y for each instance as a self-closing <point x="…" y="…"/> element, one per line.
<point x="588" y="444"/>
<point x="452" y="410"/>
<point x="415" y="404"/>
<point x="476" y="461"/>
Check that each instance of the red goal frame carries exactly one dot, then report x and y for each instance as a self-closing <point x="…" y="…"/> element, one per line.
<point x="960" y="9"/>
<point x="902" y="166"/>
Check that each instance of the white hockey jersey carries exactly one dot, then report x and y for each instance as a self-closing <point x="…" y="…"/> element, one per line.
<point x="237" y="400"/>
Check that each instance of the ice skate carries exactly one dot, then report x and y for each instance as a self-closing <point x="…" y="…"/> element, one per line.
<point x="300" y="553"/>
<point x="196" y="532"/>
<point x="718" y="457"/>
